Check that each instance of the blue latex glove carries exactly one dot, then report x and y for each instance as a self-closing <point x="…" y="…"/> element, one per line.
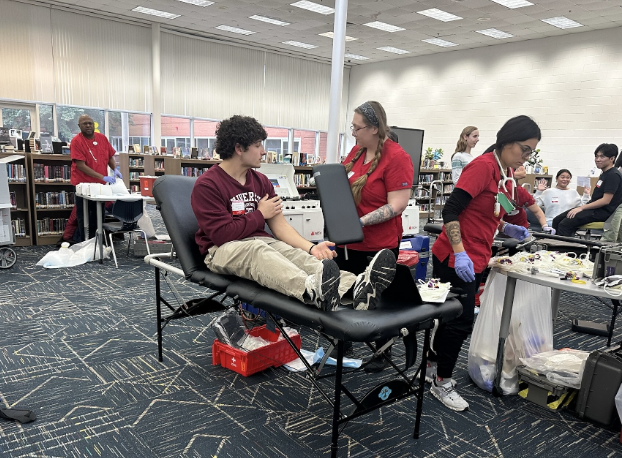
<point x="548" y="230"/>
<point x="517" y="232"/>
<point x="110" y="180"/>
<point x="117" y="173"/>
<point x="464" y="267"/>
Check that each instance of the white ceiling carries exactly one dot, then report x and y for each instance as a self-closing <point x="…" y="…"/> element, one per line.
<point x="524" y="23"/>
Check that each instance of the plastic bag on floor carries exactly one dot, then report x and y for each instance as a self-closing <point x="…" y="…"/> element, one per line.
<point x="531" y="331"/>
<point x="67" y="256"/>
<point x="564" y="367"/>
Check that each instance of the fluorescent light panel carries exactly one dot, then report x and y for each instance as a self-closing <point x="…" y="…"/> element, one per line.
<point x="393" y="50"/>
<point x="495" y="33"/>
<point x="513" y="3"/>
<point x="331" y="35"/>
<point x="562" y="22"/>
<point x="439" y="42"/>
<point x="268" y="20"/>
<point x="298" y="44"/>
<point x="356" y="56"/>
<point x="198" y="2"/>
<point x="228" y="28"/>
<point x="441" y="15"/>
<point x="158" y="13"/>
<point x="384" y="26"/>
<point x="315" y="7"/>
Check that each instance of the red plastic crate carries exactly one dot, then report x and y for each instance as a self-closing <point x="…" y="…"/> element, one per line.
<point x="250" y="362"/>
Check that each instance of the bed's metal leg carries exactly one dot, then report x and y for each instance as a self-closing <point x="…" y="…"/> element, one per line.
<point x="334" y="446"/>
<point x="614" y="313"/>
<point x="159" y="312"/>
<point x="420" y="390"/>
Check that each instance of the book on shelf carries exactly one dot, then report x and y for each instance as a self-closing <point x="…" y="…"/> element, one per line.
<point x="146" y="149"/>
<point x="51" y="226"/>
<point x="137" y="148"/>
<point x="46" y="142"/>
<point x="163" y="150"/>
<point x="130" y="149"/>
<point x="19" y="227"/>
<point x="155" y="150"/>
<point x="13" y="199"/>
<point x="194" y="153"/>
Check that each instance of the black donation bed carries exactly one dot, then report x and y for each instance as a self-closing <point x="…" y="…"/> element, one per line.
<point x="400" y="313"/>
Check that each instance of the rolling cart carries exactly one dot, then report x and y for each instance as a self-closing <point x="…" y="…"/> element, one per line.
<point x="8" y="257"/>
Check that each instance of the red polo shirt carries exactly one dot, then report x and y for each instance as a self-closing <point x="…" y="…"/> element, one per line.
<point x="394" y="172"/>
<point x="478" y="223"/>
<point x="95" y="152"/>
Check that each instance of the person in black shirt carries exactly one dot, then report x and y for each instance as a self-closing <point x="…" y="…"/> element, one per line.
<point x="606" y="198"/>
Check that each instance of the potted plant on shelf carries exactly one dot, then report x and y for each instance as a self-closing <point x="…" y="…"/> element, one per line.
<point x="534" y="163"/>
<point x="431" y="156"/>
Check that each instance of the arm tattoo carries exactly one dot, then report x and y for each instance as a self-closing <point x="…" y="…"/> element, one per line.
<point x="453" y="232"/>
<point x="380" y="215"/>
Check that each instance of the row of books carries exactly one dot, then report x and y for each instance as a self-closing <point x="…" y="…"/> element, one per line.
<point x="51" y="226"/>
<point x="445" y="176"/>
<point x="302" y="179"/>
<point x="136" y="162"/>
<point x="193" y="171"/>
<point x="421" y="193"/>
<point x="136" y="175"/>
<point x="426" y="178"/>
<point x="62" y="199"/>
<point x="159" y="165"/>
<point x="134" y="188"/>
<point x="448" y="188"/>
<point x="19" y="227"/>
<point x="16" y="173"/>
<point x="51" y="173"/>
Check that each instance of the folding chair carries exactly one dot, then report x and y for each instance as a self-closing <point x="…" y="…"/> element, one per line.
<point x="128" y="213"/>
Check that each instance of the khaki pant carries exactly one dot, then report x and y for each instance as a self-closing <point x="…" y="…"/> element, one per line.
<point x="613" y="232"/>
<point x="271" y="263"/>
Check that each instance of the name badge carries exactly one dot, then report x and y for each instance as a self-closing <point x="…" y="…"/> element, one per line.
<point x="237" y="207"/>
<point x="554" y="200"/>
<point x="350" y="175"/>
<point x="599" y="183"/>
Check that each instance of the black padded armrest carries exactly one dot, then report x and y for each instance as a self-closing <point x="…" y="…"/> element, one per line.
<point x="340" y="217"/>
<point x="433" y="228"/>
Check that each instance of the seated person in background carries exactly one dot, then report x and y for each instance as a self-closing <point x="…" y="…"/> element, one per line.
<point x="560" y="198"/>
<point x="606" y="198"/>
<point x="232" y="203"/>
<point x="613" y="232"/>
<point x="519" y="217"/>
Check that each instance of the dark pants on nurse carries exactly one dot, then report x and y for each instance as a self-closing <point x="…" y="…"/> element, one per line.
<point x="568" y="226"/>
<point x="450" y="336"/>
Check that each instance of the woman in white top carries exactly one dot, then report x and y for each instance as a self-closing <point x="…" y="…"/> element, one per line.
<point x="557" y="200"/>
<point x="462" y="156"/>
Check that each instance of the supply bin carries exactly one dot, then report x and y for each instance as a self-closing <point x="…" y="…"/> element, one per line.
<point x="538" y="389"/>
<point x="420" y="244"/>
<point x="146" y="185"/>
<point x="250" y="362"/>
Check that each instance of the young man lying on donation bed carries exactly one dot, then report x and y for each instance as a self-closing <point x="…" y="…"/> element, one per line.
<point x="233" y="202"/>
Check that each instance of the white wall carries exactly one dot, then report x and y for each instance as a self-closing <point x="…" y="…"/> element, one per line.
<point x="571" y="85"/>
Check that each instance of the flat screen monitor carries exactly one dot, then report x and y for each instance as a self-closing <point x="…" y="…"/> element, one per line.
<point x="411" y="140"/>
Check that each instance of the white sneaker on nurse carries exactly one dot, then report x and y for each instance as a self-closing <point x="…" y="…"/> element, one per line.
<point x="448" y="395"/>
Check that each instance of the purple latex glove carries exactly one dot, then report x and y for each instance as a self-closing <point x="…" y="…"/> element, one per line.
<point x="117" y="173"/>
<point x="548" y="230"/>
<point x="109" y="180"/>
<point x="517" y="232"/>
<point x="464" y="267"/>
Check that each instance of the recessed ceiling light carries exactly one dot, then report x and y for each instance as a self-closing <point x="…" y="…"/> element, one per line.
<point x="198" y="2"/>
<point x="441" y="15"/>
<point x="316" y="8"/>
<point x="298" y="44"/>
<point x="356" y="56"/>
<point x="158" y="13"/>
<point x="440" y="42"/>
<point x="331" y="34"/>
<point x="495" y="33"/>
<point x="384" y="26"/>
<point x="268" y="20"/>
<point x="562" y="22"/>
<point x="393" y="50"/>
<point x="483" y="19"/>
<point x="228" y="28"/>
<point x="513" y="3"/>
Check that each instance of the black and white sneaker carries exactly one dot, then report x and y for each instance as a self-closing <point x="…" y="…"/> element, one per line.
<point x="377" y="277"/>
<point x="327" y="286"/>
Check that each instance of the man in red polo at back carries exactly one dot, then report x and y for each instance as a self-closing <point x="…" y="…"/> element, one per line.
<point x="91" y="155"/>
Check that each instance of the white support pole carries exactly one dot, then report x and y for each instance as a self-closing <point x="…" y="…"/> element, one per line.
<point x="336" y="81"/>
<point x="156" y="103"/>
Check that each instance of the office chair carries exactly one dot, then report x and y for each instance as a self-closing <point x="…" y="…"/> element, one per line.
<point x="128" y="214"/>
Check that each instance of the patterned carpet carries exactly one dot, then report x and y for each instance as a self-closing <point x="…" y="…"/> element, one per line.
<point x="78" y="347"/>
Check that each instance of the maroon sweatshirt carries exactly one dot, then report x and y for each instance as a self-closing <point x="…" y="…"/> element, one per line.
<point x="225" y="209"/>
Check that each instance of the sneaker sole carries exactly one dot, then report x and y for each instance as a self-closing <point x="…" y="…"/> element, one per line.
<point x="330" y="277"/>
<point x="437" y="396"/>
<point x="380" y="273"/>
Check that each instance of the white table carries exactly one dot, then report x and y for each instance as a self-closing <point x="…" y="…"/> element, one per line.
<point x="100" y="214"/>
<point x="557" y="287"/>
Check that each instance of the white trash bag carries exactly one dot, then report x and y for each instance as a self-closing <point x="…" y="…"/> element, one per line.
<point x="67" y="256"/>
<point x="563" y="367"/>
<point x="531" y="331"/>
